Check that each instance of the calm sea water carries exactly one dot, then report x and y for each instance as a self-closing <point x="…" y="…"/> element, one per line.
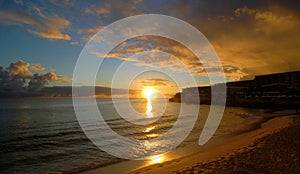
<point x="40" y="135"/>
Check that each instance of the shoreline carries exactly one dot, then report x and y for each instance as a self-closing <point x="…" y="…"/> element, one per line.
<point x="210" y="159"/>
<point x="270" y="123"/>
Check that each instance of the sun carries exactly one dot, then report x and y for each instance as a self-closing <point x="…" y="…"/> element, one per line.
<point x="148" y="92"/>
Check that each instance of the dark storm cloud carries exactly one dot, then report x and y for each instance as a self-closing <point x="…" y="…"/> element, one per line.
<point x="18" y="80"/>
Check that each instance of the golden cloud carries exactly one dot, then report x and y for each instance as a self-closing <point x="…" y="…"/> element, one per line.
<point x="51" y="27"/>
<point x="155" y="82"/>
<point x="20" y="68"/>
<point x="37" y="67"/>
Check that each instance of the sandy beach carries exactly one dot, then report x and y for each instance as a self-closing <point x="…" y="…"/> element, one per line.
<point x="273" y="148"/>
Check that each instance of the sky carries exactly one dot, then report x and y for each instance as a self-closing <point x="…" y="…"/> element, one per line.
<point x="250" y="37"/>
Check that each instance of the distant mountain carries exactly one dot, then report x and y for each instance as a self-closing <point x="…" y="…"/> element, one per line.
<point x="66" y="91"/>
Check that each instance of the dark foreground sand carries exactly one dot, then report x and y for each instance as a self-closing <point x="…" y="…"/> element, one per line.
<point x="273" y="148"/>
<point x="274" y="153"/>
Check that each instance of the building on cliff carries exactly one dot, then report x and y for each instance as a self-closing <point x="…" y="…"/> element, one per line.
<point x="279" y="85"/>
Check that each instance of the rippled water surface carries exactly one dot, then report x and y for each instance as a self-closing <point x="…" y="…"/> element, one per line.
<point x="40" y="135"/>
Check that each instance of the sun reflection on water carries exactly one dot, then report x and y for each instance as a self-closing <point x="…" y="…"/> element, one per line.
<point x="148" y="94"/>
<point x="149" y="108"/>
<point x="152" y="135"/>
<point x="157" y="159"/>
<point x="148" y="129"/>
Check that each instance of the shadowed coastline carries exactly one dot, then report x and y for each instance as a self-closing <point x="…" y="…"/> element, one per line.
<point x="274" y="91"/>
<point x="272" y="148"/>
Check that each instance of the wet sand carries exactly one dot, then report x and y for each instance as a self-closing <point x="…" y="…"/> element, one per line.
<point x="270" y="146"/>
<point x="273" y="148"/>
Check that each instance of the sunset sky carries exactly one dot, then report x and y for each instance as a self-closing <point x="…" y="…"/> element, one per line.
<point x="250" y="37"/>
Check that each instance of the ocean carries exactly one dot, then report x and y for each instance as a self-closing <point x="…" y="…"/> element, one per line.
<point x="42" y="135"/>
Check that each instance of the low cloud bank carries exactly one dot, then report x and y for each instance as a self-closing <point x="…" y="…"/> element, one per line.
<point x="18" y="80"/>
